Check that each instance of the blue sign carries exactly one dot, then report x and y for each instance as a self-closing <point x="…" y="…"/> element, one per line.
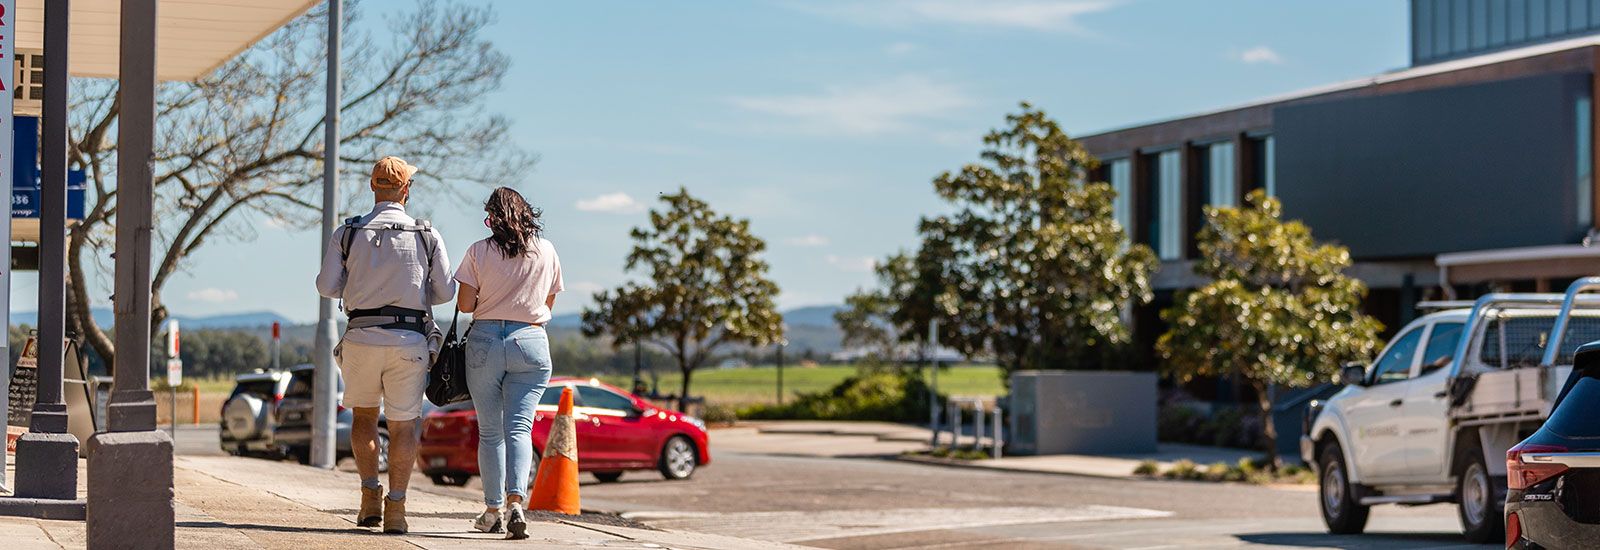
<point x="25" y="186"/>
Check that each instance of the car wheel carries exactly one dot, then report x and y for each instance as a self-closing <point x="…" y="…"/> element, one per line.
<point x="678" y="458"/>
<point x="1340" y="509"/>
<point x="1482" y="515"/>
<point x="608" y="477"/>
<point x="383" y="451"/>
<point x="452" y="480"/>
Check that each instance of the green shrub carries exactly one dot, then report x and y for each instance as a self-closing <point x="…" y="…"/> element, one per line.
<point x="1147" y="468"/>
<point x="1184" y="469"/>
<point x="719" y="414"/>
<point x="874" y="393"/>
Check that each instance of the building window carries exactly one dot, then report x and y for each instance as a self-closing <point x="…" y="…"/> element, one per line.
<point x="1169" y="183"/>
<point x="1261" y="174"/>
<point x="1220" y="188"/>
<point x="1585" y="162"/>
<point x="1120" y="174"/>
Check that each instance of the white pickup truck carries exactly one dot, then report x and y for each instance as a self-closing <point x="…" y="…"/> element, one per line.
<point x="1431" y="420"/>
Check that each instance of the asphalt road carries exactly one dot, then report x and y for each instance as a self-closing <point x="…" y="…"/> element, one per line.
<point x="865" y="503"/>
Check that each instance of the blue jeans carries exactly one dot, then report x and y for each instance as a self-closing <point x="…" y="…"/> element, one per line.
<point x="508" y="367"/>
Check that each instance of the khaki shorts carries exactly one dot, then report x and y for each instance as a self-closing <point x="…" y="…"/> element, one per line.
<point x="391" y="376"/>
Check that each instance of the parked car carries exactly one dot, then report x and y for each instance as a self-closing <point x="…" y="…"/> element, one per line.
<point x="1554" y="475"/>
<point x="617" y="432"/>
<point x="246" y="427"/>
<point x="293" y="420"/>
<point x="1431" y="420"/>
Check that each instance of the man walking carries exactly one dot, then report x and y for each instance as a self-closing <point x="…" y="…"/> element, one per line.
<point x="390" y="270"/>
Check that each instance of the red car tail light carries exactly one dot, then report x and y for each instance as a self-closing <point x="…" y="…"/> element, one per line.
<point x="1521" y="474"/>
<point x="1513" y="529"/>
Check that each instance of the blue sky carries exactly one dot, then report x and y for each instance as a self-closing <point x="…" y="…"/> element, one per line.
<point x="823" y="122"/>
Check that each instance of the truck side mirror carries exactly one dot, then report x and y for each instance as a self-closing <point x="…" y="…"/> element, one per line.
<point x="1353" y="374"/>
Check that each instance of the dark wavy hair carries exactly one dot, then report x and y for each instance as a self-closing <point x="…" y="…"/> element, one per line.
<point x="515" y="225"/>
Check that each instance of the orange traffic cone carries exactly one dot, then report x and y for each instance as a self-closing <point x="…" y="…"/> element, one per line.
<point x="555" y="487"/>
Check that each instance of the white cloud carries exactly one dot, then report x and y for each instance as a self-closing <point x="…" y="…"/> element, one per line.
<point x="213" y="295"/>
<point x="852" y="263"/>
<point x="808" y="240"/>
<point x="900" y="48"/>
<point x="611" y="203"/>
<point x="1038" y="15"/>
<point x="874" y="108"/>
<point x="1261" y="54"/>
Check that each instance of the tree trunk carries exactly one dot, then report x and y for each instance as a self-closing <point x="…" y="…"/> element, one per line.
<point x="80" y="317"/>
<point x="1268" y="431"/>
<point x="683" y="398"/>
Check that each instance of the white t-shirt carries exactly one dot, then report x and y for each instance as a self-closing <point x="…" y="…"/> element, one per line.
<point x="512" y="289"/>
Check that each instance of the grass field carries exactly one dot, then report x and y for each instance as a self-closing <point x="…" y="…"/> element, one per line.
<point x="758" y="384"/>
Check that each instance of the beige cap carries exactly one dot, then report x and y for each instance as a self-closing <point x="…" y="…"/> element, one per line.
<point x="391" y="173"/>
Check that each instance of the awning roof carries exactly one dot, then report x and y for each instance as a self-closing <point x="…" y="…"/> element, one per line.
<point x="196" y="36"/>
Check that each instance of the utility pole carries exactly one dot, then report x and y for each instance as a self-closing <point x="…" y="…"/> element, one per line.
<point x="47" y="455"/>
<point x="322" y="414"/>
<point x="638" y="365"/>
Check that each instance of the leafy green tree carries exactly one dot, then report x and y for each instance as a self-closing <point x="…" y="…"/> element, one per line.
<point x="1278" y="310"/>
<point x="706" y="287"/>
<point x="1031" y="265"/>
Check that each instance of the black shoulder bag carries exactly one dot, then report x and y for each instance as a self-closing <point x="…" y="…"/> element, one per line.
<point x="447" y="379"/>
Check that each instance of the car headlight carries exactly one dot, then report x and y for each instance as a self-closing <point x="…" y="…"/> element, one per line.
<point x="698" y="423"/>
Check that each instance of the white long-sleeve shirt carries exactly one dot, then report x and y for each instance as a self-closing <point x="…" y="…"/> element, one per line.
<point x="387" y="268"/>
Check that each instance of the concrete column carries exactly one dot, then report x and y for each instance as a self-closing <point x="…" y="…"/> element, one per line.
<point x="323" y="415"/>
<point x="47" y="455"/>
<point x="130" y="467"/>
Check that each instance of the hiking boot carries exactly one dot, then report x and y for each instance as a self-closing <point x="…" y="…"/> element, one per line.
<point x="394" y="516"/>
<point x="371" y="514"/>
<point x="516" y="523"/>
<point x="488" y="522"/>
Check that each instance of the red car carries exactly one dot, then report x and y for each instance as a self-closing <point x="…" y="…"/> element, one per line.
<point x="616" y="432"/>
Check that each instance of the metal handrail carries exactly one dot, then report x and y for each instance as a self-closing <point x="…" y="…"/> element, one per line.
<point x="1559" y="331"/>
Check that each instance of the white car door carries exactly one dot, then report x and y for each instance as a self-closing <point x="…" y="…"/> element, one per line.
<point x="1427" y="404"/>
<point x="1374" y="415"/>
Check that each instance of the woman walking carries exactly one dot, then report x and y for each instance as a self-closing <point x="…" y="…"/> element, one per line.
<point x="509" y="283"/>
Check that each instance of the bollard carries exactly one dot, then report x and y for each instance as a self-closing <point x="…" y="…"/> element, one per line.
<point x="196" y="394"/>
<point x="977" y="424"/>
<point x="996" y="436"/>
<point x="933" y="422"/>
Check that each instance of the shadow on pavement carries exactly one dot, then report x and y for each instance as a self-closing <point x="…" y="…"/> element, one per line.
<point x="1374" y="540"/>
<point x="352" y="530"/>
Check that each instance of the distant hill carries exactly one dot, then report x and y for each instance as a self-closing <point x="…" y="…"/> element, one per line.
<point x="821" y="316"/>
<point x="105" y="318"/>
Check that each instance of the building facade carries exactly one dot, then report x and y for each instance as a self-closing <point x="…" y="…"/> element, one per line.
<point x="1471" y="170"/>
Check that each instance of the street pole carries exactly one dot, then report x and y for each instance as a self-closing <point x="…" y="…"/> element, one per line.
<point x="323" y="414"/>
<point x="932" y="344"/>
<point x="277" y="349"/>
<point x="48" y="455"/>
<point x="130" y="467"/>
<point x="781" y="344"/>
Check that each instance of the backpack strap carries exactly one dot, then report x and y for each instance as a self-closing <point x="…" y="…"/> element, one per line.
<point x="423" y="229"/>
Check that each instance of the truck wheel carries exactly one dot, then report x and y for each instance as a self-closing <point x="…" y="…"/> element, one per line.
<point x="1482" y="514"/>
<point x="1340" y="509"/>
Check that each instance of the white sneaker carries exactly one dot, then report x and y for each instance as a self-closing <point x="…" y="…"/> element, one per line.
<point x="488" y="522"/>
<point x="516" y="523"/>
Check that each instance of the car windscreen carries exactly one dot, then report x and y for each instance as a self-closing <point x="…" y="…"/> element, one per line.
<point x="262" y="388"/>
<point x="1520" y="341"/>
<point x="1575" y="415"/>
<point x="600" y="398"/>
<point x="300" y="383"/>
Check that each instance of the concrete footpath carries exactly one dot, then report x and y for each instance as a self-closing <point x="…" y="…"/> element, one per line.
<point x="229" y="502"/>
<point x="885" y="439"/>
